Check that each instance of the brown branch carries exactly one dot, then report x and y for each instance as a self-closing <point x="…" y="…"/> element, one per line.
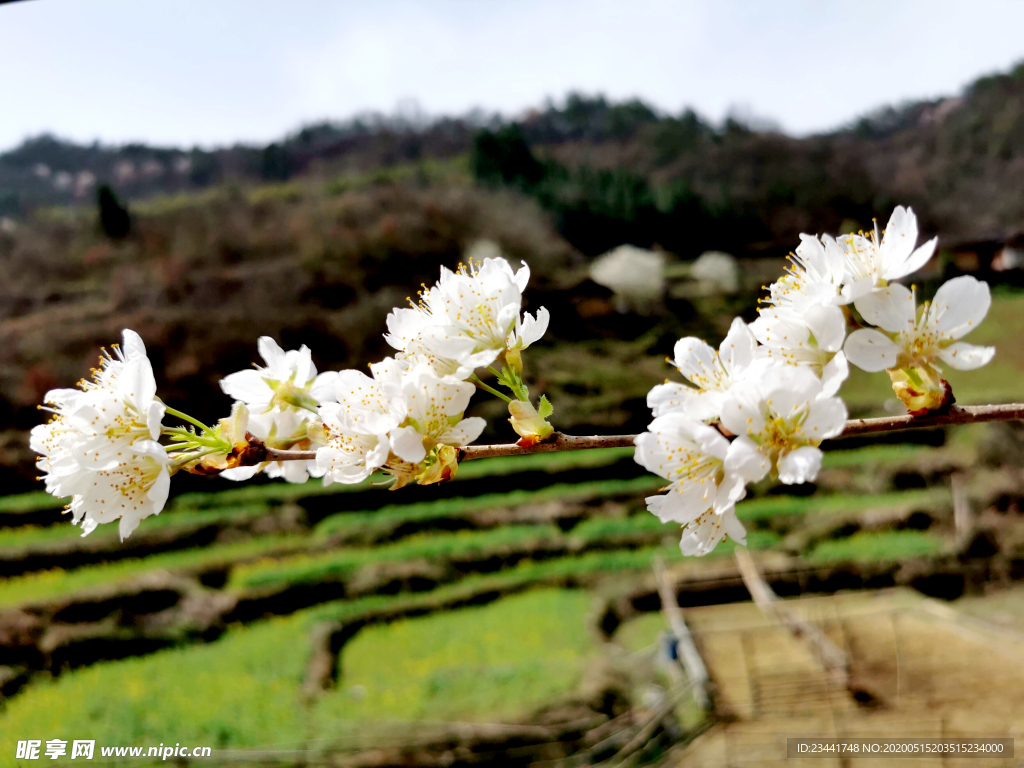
<point x="969" y="414"/>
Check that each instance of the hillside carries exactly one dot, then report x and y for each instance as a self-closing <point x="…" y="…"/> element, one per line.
<point x="956" y="160"/>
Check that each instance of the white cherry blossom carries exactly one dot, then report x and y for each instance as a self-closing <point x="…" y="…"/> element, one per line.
<point x="702" y="535"/>
<point x="435" y="406"/>
<point x="711" y="373"/>
<point x="889" y="256"/>
<point x="129" y="492"/>
<point x="780" y="417"/>
<point x="913" y="337"/>
<point x="93" y="428"/>
<point x="357" y="425"/>
<point x="467" y="319"/>
<point x="812" y="338"/>
<point x="814" y="276"/>
<point x="691" y="456"/>
<point x="288" y="381"/>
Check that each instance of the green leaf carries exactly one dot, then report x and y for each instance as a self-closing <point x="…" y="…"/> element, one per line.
<point x="545" y="408"/>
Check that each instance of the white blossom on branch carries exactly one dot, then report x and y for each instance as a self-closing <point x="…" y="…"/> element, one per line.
<point x="711" y="373"/>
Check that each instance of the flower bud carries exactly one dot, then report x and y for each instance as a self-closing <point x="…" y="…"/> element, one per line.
<point x="444" y="466"/>
<point x="922" y="390"/>
<point x="530" y="425"/>
<point x="514" y="358"/>
<point x="234" y="428"/>
<point x="317" y="432"/>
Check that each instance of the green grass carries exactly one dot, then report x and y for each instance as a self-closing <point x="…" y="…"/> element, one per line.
<point x="468" y="664"/>
<point x="874" y="546"/>
<point x="338" y="564"/>
<point x="773" y="506"/>
<point x="307" y="569"/>
<point x="551" y="463"/>
<point x="43" y="585"/>
<point x="243" y="691"/>
<point x="441" y="508"/>
<point x="873" y="455"/>
<point x="640" y="632"/>
<point x="470" y="470"/>
<point x="28" y="535"/>
<point x="31" y="502"/>
<point x="238" y="692"/>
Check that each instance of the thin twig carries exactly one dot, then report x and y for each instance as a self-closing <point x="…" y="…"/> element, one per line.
<point x="969" y="414"/>
<point x="696" y="671"/>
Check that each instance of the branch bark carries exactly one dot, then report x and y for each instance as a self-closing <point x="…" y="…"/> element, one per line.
<point x="969" y="414"/>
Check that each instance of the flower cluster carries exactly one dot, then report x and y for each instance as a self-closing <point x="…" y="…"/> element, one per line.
<point x="766" y="399"/>
<point x="100" y="446"/>
<point x="406" y="418"/>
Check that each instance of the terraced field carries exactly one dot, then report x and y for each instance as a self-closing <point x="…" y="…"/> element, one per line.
<point x="307" y="620"/>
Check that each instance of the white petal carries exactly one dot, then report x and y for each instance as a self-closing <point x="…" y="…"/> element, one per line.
<point x="740" y="410"/>
<point x="800" y="466"/>
<point x="732" y="488"/>
<point x="239" y="474"/>
<point x="303" y="366"/>
<point x="132" y="344"/>
<point x="898" y="241"/>
<point x="379" y="454"/>
<point x="781" y="329"/>
<point x="890" y="308"/>
<point x="272" y="355"/>
<point x="710" y="441"/>
<point x="247" y="386"/>
<point x="704" y="406"/>
<point x="404" y="325"/>
<point x="532" y="329"/>
<point x="857" y="288"/>
<point x="681" y="506"/>
<point x="159" y="492"/>
<point x="966" y="357"/>
<point x="154" y="418"/>
<point x="665" y="397"/>
<point x="324" y="386"/>
<point x="959" y="306"/>
<point x="914" y="262"/>
<point x="522" y="276"/>
<point x="294" y="471"/>
<point x="367" y="422"/>
<point x="828" y="324"/>
<point x="733" y="527"/>
<point x="737" y="349"/>
<point x="696" y="360"/>
<point x="465" y="432"/>
<point x="834" y="261"/>
<point x="834" y="373"/>
<point x="870" y="350"/>
<point x="407" y="444"/>
<point x="137" y="384"/>
<point x="746" y="461"/>
<point x="787" y="389"/>
<point x="826" y="418"/>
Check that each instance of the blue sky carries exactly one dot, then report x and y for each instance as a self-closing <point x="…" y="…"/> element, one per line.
<point x="199" y="72"/>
